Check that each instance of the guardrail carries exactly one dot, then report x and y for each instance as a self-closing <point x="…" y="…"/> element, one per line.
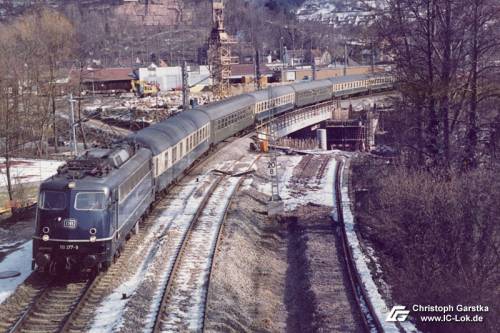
<point x="298" y="119"/>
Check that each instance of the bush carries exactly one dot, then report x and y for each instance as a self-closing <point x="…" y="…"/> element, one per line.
<point x="441" y="239"/>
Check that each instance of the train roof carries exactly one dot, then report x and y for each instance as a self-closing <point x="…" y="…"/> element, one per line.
<point x="153" y="138"/>
<point x="227" y="106"/>
<point x="87" y="182"/>
<point x="274" y="91"/>
<point x="169" y="132"/>
<point x="311" y="85"/>
<point x="349" y="78"/>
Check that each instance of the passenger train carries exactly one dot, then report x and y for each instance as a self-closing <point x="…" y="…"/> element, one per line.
<point x="89" y="208"/>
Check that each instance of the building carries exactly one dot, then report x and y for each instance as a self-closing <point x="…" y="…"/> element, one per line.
<point x="305" y="73"/>
<point x="117" y="79"/>
<point x="245" y="73"/>
<point x="318" y="57"/>
<point x="170" y="78"/>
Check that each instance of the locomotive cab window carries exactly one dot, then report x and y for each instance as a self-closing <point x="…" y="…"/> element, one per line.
<point x="52" y="200"/>
<point x="90" y="201"/>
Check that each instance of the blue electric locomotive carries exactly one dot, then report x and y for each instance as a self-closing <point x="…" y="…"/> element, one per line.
<point x="86" y="211"/>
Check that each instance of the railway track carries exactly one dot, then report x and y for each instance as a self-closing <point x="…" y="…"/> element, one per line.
<point x="74" y="304"/>
<point x="53" y="307"/>
<point x="183" y="298"/>
<point x="365" y="308"/>
<point x="322" y="169"/>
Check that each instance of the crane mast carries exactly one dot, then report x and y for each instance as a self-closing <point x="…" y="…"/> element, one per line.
<point x="220" y="59"/>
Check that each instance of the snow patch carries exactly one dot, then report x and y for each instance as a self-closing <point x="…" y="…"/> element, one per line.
<point x="109" y="314"/>
<point x="321" y="193"/>
<point x="28" y="171"/>
<point x="375" y="298"/>
<point x="19" y="260"/>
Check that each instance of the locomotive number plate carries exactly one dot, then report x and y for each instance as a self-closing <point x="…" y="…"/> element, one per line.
<point x="70" y="223"/>
<point x="68" y="247"/>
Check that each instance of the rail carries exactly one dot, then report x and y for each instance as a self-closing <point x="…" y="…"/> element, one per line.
<point x="363" y="303"/>
<point x="168" y="288"/>
<point x="18" y="327"/>
<point x="217" y="243"/>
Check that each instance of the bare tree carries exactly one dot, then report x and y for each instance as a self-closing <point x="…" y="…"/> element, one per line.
<point x="483" y="34"/>
<point x="435" y="46"/>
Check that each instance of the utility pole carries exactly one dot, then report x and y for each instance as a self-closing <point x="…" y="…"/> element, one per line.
<point x="345" y="58"/>
<point x="185" y="87"/>
<point x="257" y="69"/>
<point x="72" y="125"/>
<point x="276" y="205"/>
<point x="282" y="59"/>
<point x="372" y="58"/>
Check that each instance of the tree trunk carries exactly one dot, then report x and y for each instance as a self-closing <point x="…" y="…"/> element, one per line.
<point x="470" y="160"/>
<point x="7" y="143"/>
<point x="432" y="126"/>
<point x="445" y="77"/>
<point x="54" y="120"/>
<point x="7" y="173"/>
<point x="82" y="130"/>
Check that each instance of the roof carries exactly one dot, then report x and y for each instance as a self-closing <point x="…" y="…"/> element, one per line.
<point x="349" y="78"/>
<point x="227" y="106"/>
<point x="311" y="85"/>
<point x="277" y="91"/>
<point x="167" y="133"/>
<point x="103" y="74"/>
<point x="113" y="179"/>
<point x="249" y="70"/>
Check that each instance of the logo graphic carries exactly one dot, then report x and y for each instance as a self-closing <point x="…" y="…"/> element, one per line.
<point x="398" y="313"/>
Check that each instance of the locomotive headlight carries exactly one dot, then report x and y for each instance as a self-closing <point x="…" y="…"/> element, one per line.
<point x="45" y="237"/>
<point x="71" y="185"/>
<point x="92" y="239"/>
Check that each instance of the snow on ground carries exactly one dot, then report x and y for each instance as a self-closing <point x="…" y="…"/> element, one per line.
<point x="187" y="307"/>
<point x="19" y="260"/>
<point x="367" y="102"/>
<point x="27" y="170"/>
<point x="109" y="314"/>
<point x="375" y="298"/>
<point x="321" y="194"/>
<point x="335" y="11"/>
<point x="285" y="170"/>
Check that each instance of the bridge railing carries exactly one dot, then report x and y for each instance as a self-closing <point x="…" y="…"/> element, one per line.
<point x="298" y="119"/>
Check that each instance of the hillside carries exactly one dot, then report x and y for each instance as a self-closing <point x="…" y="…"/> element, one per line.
<point x="335" y="10"/>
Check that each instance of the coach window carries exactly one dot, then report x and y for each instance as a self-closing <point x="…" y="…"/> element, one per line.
<point x="166" y="159"/>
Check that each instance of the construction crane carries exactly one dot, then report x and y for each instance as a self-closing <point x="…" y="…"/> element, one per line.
<point x="219" y="52"/>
